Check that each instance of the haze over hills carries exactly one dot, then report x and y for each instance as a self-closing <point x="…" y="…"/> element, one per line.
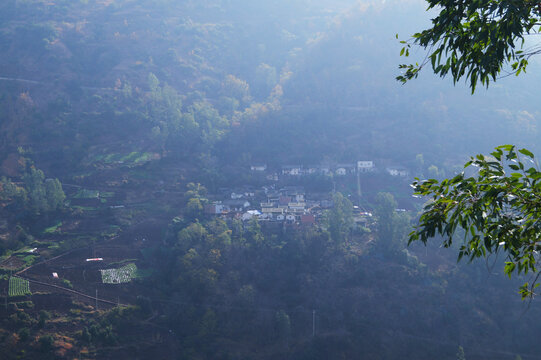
<point x="133" y="133"/>
<point x="338" y="60"/>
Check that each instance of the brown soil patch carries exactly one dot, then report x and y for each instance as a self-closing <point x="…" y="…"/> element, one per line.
<point x="12" y="263"/>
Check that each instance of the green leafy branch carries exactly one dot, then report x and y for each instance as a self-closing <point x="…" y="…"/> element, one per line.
<point x="499" y="208"/>
<point x="475" y="40"/>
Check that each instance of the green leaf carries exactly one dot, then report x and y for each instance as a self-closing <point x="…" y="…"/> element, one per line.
<point x="507" y="148"/>
<point x="509" y="268"/>
<point x="526" y="152"/>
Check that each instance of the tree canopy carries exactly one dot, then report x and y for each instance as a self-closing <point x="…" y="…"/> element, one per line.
<point x="499" y="206"/>
<point x="476" y="39"/>
<point x="38" y="195"/>
<point x="499" y="209"/>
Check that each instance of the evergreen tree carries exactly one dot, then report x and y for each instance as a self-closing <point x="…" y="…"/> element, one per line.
<point x="340" y="218"/>
<point x="460" y="354"/>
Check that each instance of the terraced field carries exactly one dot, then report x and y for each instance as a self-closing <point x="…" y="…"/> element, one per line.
<point x="18" y="287"/>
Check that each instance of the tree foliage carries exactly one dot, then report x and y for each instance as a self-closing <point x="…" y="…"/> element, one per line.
<point x="499" y="209"/>
<point x="340" y="218"/>
<point x="475" y="39"/>
<point x="37" y="195"/>
<point x="385" y="210"/>
<point x="392" y="226"/>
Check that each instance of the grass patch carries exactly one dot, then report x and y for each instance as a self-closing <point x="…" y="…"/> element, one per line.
<point x="86" y="194"/>
<point x="53" y="229"/>
<point x="22" y="250"/>
<point x="29" y="259"/>
<point x="130" y="159"/>
<point x="85" y="208"/>
<point x="122" y="262"/>
<point x="110" y="158"/>
<point x="110" y="232"/>
<point x="67" y="283"/>
<point x="144" y="157"/>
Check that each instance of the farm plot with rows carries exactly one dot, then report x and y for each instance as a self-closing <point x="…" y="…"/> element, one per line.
<point x="118" y="276"/>
<point x="19" y="287"/>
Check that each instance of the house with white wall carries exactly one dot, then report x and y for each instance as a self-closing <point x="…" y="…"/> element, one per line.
<point x="365" y="166"/>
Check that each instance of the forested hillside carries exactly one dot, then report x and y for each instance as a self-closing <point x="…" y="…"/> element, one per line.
<point x="226" y="179"/>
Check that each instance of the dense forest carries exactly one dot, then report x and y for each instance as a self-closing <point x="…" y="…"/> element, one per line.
<point x="226" y="179"/>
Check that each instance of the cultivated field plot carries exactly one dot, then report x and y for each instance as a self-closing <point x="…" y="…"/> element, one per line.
<point x="12" y="263"/>
<point x="18" y="287"/>
<point x="118" y="276"/>
<point x="87" y="194"/>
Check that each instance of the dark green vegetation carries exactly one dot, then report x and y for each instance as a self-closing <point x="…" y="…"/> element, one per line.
<point x="496" y="209"/>
<point x="124" y="124"/>
<point x="476" y="40"/>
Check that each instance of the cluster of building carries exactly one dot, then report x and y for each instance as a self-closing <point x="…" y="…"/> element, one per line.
<point x="364" y="166"/>
<point x="288" y="205"/>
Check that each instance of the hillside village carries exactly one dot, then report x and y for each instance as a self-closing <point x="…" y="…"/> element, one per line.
<point x="292" y="205"/>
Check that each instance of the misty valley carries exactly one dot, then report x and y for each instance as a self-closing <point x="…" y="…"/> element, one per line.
<point x="229" y="179"/>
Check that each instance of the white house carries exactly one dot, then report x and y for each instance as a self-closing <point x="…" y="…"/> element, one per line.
<point x="265" y="217"/>
<point x="258" y="167"/>
<point x="292" y="170"/>
<point x="340" y="171"/>
<point x="344" y="169"/>
<point x="237" y="205"/>
<point x="236" y="196"/>
<point x="397" y="171"/>
<point x="365" y="166"/>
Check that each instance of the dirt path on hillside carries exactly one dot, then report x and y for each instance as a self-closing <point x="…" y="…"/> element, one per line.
<point x="93" y="298"/>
